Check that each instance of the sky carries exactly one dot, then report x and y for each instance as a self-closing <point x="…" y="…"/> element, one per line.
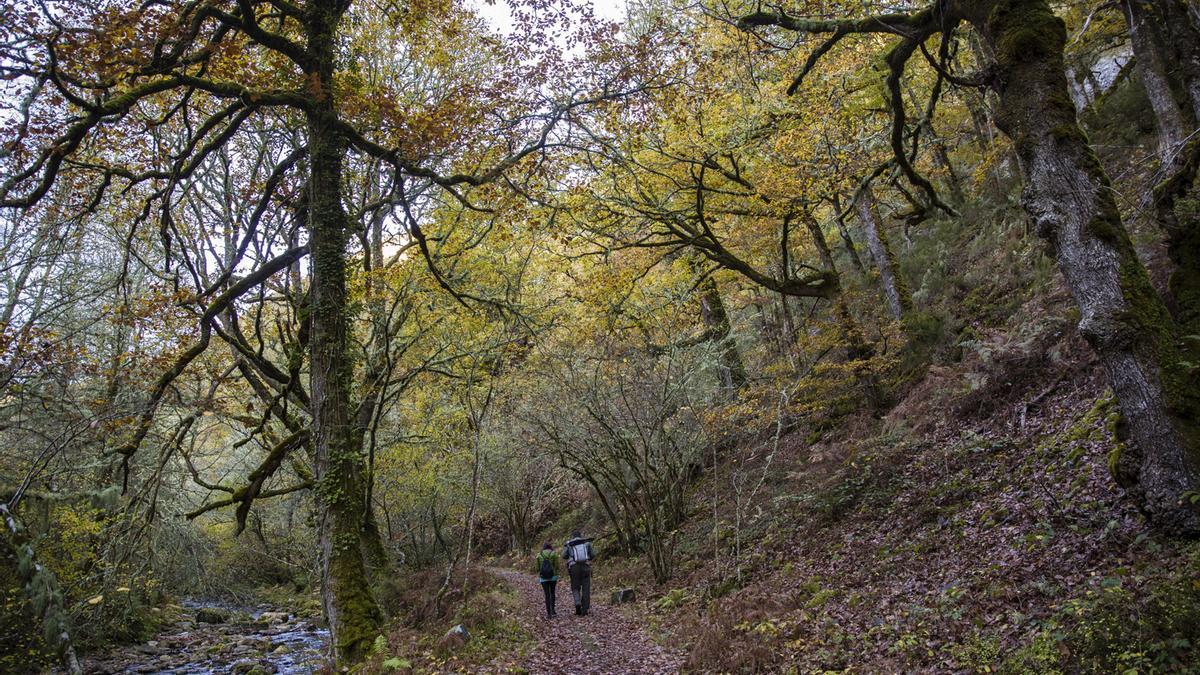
<point x="498" y="15"/>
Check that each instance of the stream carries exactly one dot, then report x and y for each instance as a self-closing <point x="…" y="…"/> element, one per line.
<point x="211" y="637"/>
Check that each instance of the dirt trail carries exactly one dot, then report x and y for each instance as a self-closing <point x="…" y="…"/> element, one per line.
<point x="607" y="641"/>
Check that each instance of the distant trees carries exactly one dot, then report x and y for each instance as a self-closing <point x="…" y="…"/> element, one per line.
<point x="522" y="483"/>
<point x="628" y="426"/>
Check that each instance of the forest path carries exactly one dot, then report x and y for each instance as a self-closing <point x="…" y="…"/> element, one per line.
<point x="606" y="641"/>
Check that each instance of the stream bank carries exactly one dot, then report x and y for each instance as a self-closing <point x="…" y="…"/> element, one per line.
<point x="212" y="637"/>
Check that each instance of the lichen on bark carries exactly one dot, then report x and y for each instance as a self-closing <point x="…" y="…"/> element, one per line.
<point x="1069" y="197"/>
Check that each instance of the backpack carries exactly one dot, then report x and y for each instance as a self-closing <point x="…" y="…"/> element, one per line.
<point x="546" y="570"/>
<point x="579" y="553"/>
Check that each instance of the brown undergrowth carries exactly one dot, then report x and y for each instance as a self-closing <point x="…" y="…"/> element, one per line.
<point x="486" y="606"/>
<point x="973" y="529"/>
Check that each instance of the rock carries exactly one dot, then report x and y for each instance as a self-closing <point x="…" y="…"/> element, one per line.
<point x="211" y="615"/>
<point x="273" y="617"/>
<point x="623" y="596"/>
<point x="251" y="667"/>
<point x="281" y="650"/>
<point x="454" y="639"/>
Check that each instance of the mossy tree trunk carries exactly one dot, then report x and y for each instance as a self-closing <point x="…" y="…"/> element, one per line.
<point x="730" y="366"/>
<point x="1166" y="41"/>
<point x="856" y="347"/>
<point x="1179" y="22"/>
<point x="1150" y="50"/>
<point x="847" y="242"/>
<point x="894" y="289"/>
<point x="353" y="615"/>
<point x="1070" y="200"/>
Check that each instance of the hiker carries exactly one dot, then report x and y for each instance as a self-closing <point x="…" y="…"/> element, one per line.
<point x="578" y="554"/>
<point x="546" y="565"/>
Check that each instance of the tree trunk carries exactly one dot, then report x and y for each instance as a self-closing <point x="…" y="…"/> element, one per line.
<point x="1167" y="43"/>
<point x="1069" y="198"/>
<point x="1149" y="49"/>
<point x="1181" y="27"/>
<point x="712" y="310"/>
<point x="856" y="347"/>
<point x="851" y="250"/>
<point x="354" y="617"/>
<point x="894" y="289"/>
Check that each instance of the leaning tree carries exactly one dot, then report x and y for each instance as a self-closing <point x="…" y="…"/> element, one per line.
<point x="1068" y="196"/>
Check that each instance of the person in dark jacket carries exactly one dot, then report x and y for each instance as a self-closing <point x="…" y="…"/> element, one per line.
<point x="579" y="555"/>
<point x="546" y="565"/>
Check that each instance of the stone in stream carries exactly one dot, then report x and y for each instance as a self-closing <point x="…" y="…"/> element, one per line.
<point x="251" y="667"/>
<point x="211" y="615"/>
<point x="150" y="649"/>
<point x="273" y="617"/>
<point x="623" y="596"/>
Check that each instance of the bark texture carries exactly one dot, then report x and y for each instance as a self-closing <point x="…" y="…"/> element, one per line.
<point x="353" y="615"/>
<point x="730" y="366"/>
<point x="1151" y="52"/>
<point x="894" y="289"/>
<point x="1068" y="196"/>
<point x="1166" y="38"/>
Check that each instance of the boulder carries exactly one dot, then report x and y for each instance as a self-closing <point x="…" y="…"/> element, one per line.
<point x="623" y="596"/>
<point x="151" y="649"/>
<point x="251" y="667"/>
<point x="273" y="617"/>
<point x="454" y="639"/>
<point x="211" y="615"/>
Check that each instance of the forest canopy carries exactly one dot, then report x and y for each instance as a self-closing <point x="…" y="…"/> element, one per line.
<point x="350" y="295"/>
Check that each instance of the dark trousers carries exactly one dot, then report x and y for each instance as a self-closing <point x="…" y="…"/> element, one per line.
<point x="581" y="585"/>
<point x="548" y="591"/>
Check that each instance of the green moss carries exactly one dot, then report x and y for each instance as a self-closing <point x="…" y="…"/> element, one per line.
<point x="1026" y="31"/>
<point x="820" y="598"/>
<point x="1122" y="625"/>
<point x="359" y="617"/>
<point x="677" y="596"/>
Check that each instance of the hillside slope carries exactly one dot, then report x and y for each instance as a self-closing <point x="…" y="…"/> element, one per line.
<point x="939" y="539"/>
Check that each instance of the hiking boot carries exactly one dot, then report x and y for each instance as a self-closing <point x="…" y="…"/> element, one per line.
<point x="578" y="610"/>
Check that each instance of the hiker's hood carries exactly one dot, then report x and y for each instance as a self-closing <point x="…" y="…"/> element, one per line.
<point x="578" y="540"/>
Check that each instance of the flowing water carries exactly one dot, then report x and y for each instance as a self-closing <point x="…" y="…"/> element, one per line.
<point x="249" y="640"/>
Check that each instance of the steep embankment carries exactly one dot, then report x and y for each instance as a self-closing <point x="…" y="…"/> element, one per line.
<point x="975" y="527"/>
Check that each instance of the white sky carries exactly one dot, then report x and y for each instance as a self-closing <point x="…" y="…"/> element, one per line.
<point x="497" y="13"/>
